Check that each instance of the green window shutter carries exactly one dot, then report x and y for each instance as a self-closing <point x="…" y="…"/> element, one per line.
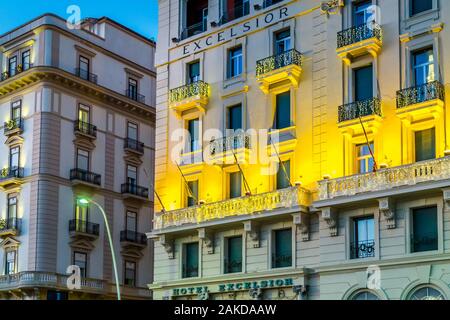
<point x="283" y="248"/>
<point x="425" y="144"/>
<point x="425" y="228"/>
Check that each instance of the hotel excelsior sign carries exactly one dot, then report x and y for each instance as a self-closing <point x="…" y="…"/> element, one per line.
<point x="248" y="26"/>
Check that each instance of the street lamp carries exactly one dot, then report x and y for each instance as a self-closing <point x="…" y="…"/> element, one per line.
<point x="86" y="202"/>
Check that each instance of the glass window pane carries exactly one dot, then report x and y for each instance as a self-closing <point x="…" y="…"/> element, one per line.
<point x="190" y="268"/>
<point x="235" y="117"/>
<point x="363" y="83"/>
<point x="235" y="185"/>
<point x="424" y="236"/>
<point x="14" y="157"/>
<point x="234" y="257"/>
<point x="83" y="160"/>
<point x="361" y="13"/>
<point x="418" y="6"/>
<point x="193" y="72"/>
<point x="193" y="186"/>
<point x="282" y="41"/>
<point x="193" y="127"/>
<point x="425" y="144"/>
<point x="132" y="131"/>
<point x="423" y="66"/>
<point x="283" y="110"/>
<point x="283" y="249"/>
<point x="283" y="175"/>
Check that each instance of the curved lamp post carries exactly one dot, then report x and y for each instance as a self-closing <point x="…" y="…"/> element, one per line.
<point x="85" y="202"/>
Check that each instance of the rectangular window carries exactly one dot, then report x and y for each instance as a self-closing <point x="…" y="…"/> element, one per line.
<point x="132" y="175"/>
<point x="363" y="245"/>
<point x="82" y="159"/>
<point x="282" y="255"/>
<point x="364" y="160"/>
<point x="236" y="9"/>
<point x="235" y="187"/>
<point x="235" y="117"/>
<point x="190" y="260"/>
<point x="84" y="65"/>
<point x="193" y="72"/>
<point x="192" y="193"/>
<point x="234" y="62"/>
<point x="81" y="218"/>
<point x="425" y="230"/>
<point x="194" y="134"/>
<point x="131" y="221"/>
<point x="132" y="131"/>
<point x="361" y="13"/>
<point x="132" y="88"/>
<point x="282" y="41"/>
<point x="423" y="66"/>
<point x="283" y="110"/>
<point x="130" y="274"/>
<point x="363" y="83"/>
<point x="233" y="259"/>
<point x="195" y="17"/>
<point x="10" y="265"/>
<point x="12" y="66"/>
<point x="16" y="110"/>
<point x="26" y="60"/>
<point x="14" y="158"/>
<point x="83" y="113"/>
<point x="283" y="175"/>
<point x="80" y="260"/>
<point x="418" y="6"/>
<point x="425" y="144"/>
<point x="12" y="209"/>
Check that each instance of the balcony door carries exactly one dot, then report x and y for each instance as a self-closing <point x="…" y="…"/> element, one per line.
<point x="81" y="218"/>
<point x="363" y="245"/>
<point x="12" y="66"/>
<point x="283" y="110"/>
<point x="362" y="13"/>
<point x="84" y="67"/>
<point x="132" y="177"/>
<point x="282" y="41"/>
<point x="83" y="114"/>
<point x="26" y="60"/>
<point x="423" y="67"/>
<point x="16" y="110"/>
<point x="194" y="135"/>
<point x="283" y="175"/>
<point x="83" y="159"/>
<point x="12" y="210"/>
<point x="14" y="158"/>
<point x="195" y="17"/>
<point x="193" y="72"/>
<point x="132" y="88"/>
<point x="131" y="221"/>
<point x="192" y="193"/>
<point x="235" y="187"/>
<point x="425" y="145"/>
<point x="363" y="83"/>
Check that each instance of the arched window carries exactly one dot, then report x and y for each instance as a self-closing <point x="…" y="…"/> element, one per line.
<point x="364" y="295"/>
<point x="427" y="293"/>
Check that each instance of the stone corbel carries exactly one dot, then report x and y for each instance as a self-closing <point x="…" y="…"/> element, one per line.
<point x="208" y="240"/>
<point x="387" y="209"/>
<point x="301" y="220"/>
<point x="447" y="195"/>
<point x="168" y="245"/>
<point x="330" y="216"/>
<point x="252" y="230"/>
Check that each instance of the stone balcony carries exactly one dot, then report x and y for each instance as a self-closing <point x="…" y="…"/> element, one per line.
<point x="286" y="66"/>
<point x="11" y="177"/>
<point x="227" y="150"/>
<point x="190" y="96"/>
<point x="420" y="176"/>
<point x="367" y="111"/>
<point x="259" y="204"/>
<point x="359" y="40"/>
<point x="13" y="127"/>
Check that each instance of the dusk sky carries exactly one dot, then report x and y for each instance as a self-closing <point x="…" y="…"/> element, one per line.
<point x="139" y="15"/>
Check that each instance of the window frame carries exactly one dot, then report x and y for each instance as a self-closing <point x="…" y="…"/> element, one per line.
<point x="184" y="259"/>
<point x="237" y="59"/>
<point x="125" y="269"/>
<point x="274" y="245"/>
<point x="86" y="263"/>
<point x="7" y="270"/>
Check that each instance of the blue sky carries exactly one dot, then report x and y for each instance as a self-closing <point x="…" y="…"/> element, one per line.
<point x="138" y="15"/>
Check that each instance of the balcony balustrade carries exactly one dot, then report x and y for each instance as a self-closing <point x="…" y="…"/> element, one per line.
<point x="358" y="109"/>
<point x="259" y="203"/>
<point x="131" y="190"/>
<point x="86" y="75"/>
<point x="128" y="237"/>
<point x="194" y="95"/>
<point x="85" y="129"/>
<point x="385" y="179"/>
<point x="134" y="146"/>
<point x="11" y="177"/>
<point x="82" y="228"/>
<point x="82" y="176"/>
<point x="359" y="40"/>
<point x="13" y="126"/>
<point x="422" y="94"/>
<point x="133" y="95"/>
<point x="10" y="227"/>
<point x="362" y="249"/>
<point x="278" y="68"/>
<point x="11" y="73"/>
<point x="224" y="149"/>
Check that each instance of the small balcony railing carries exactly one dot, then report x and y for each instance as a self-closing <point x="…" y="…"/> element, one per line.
<point x="133" y="237"/>
<point x="278" y="61"/>
<point x="11" y="73"/>
<point x="235" y="13"/>
<point x="281" y="261"/>
<point x="130" y="188"/>
<point x="9" y="224"/>
<point x="13" y="126"/>
<point x="268" y="3"/>
<point x="232" y="266"/>
<point x="76" y="225"/>
<point x="85" y="128"/>
<point x="133" y="95"/>
<point x="134" y="145"/>
<point x="357" y="34"/>
<point x="419" y="94"/>
<point x="362" y="249"/>
<point x="198" y="88"/>
<point x="190" y="271"/>
<point x="11" y="173"/>
<point x="193" y="30"/>
<point x="358" y="109"/>
<point x="86" y="75"/>
<point x="225" y="144"/>
<point x="85" y="176"/>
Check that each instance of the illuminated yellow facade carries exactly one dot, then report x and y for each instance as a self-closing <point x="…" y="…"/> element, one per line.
<point x="332" y="141"/>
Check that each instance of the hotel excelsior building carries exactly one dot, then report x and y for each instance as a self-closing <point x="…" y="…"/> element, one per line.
<point x="77" y="121"/>
<point x="357" y="95"/>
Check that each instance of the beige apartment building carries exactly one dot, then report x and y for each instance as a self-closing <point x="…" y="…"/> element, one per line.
<point x="77" y="120"/>
<point x="351" y="100"/>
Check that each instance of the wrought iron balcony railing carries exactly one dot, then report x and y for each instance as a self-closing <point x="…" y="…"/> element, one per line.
<point x="86" y="75"/>
<point x="419" y="94"/>
<point x="235" y="13"/>
<point x="281" y="261"/>
<point x="237" y="141"/>
<point x="13" y="125"/>
<point x="134" y="145"/>
<point x="193" y="30"/>
<point x="258" y="203"/>
<point x="360" y="33"/>
<point x="362" y="249"/>
<point x="278" y="61"/>
<point x="11" y="73"/>
<point x="385" y="179"/>
<point x="85" y="176"/>
<point x="190" y="271"/>
<point x="232" y="266"/>
<point x="133" y="236"/>
<point x="133" y="95"/>
<point x="10" y="173"/>
<point x="76" y="225"/>
<point x="358" y="109"/>
<point x="85" y="128"/>
<point x="9" y="224"/>
<point x="198" y="88"/>
<point x="134" y="189"/>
